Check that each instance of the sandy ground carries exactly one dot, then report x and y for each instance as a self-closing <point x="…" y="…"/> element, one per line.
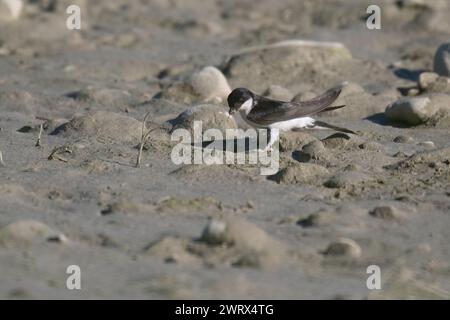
<point x="77" y="199"/>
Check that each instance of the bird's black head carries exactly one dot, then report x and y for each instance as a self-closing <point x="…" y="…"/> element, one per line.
<point x="240" y="97"/>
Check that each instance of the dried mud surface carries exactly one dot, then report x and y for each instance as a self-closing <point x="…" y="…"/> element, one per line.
<point x="163" y="231"/>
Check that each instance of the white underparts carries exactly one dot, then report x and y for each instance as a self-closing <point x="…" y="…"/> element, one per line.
<point x="298" y="123"/>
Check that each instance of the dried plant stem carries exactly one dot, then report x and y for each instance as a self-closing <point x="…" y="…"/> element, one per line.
<point x="38" y="141"/>
<point x="2" y="164"/>
<point x="145" y="134"/>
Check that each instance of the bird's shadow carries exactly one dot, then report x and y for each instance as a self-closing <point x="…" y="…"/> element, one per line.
<point x="407" y="74"/>
<point x="236" y="145"/>
<point x="381" y="119"/>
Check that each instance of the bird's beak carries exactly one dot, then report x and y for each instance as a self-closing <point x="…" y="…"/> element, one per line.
<point x="231" y="112"/>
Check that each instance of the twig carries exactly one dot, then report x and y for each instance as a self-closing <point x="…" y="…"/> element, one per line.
<point x="144" y="137"/>
<point x="2" y="164"/>
<point x="55" y="154"/>
<point x="38" y="141"/>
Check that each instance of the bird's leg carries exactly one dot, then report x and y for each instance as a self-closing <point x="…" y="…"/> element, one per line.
<point x="274" y="134"/>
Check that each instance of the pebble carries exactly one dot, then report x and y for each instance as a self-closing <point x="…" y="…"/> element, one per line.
<point x="426" y="79"/>
<point x="171" y="250"/>
<point x="291" y="140"/>
<point x="388" y="213"/>
<point x="317" y="219"/>
<point x="427" y="144"/>
<point x="211" y="117"/>
<point x="411" y="110"/>
<point x="403" y="139"/>
<point x="344" y="247"/>
<point x="25" y="232"/>
<point x="346" y="179"/>
<point x="15" y="7"/>
<point x="442" y="60"/>
<point x="314" y="150"/>
<point x="108" y="97"/>
<point x="248" y="244"/>
<point x="300" y="173"/>
<point x="441" y="85"/>
<point x="400" y="154"/>
<point x="102" y="125"/>
<point x="335" y="141"/>
<point x="412" y="92"/>
<point x="214" y="232"/>
<point x="210" y="84"/>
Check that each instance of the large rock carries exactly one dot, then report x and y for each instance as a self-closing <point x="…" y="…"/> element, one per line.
<point x="442" y="60"/>
<point x="358" y="102"/>
<point x="285" y="63"/>
<point x="417" y="110"/>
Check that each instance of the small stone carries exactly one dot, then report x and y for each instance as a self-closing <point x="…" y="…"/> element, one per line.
<point x="388" y="213"/>
<point x="314" y="150"/>
<point x="317" y="219"/>
<point x="403" y="139"/>
<point x="292" y="140"/>
<point x="412" y="111"/>
<point x="427" y="78"/>
<point x="15" y="7"/>
<point x="210" y="84"/>
<point x="172" y="250"/>
<point x="102" y="125"/>
<point x="248" y="245"/>
<point x="211" y="117"/>
<point x="278" y="93"/>
<point x="412" y="92"/>
<point x="400" y="154"/>
<point x="442" y="60"/>
<point x="214" y="231"/>
<point x="300" y="173"/>
<point x="351" y="88"/>
<point x="441" y="85"/>
<point x="427" y="144"/>
<point x="335" y="141"/>
<point x="347" y="179"/>
<point x="372" y="146"/>
<point x="26" y="232"/>
<point x="108" y="97"/>
<point x="343" y="247"/>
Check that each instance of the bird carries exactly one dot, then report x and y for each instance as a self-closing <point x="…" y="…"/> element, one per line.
<point x="263" y="113"/>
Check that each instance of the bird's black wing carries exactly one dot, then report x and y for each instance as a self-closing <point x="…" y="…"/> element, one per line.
<point x="268" y="111"/>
